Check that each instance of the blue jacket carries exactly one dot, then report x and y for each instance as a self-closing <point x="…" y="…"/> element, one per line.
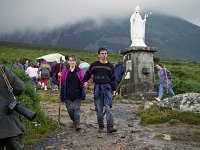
<point x="119" y="71"/>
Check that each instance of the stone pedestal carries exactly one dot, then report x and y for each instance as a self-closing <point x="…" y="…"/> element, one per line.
<point x="139" y="81"/>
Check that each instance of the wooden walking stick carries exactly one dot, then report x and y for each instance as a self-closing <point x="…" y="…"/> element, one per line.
<point x="166" y="78"/>
<point x="59" y="107"/>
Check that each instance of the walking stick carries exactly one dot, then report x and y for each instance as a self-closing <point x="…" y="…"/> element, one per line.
<point x="166" y="78"/>
<point x="59" y="123"/>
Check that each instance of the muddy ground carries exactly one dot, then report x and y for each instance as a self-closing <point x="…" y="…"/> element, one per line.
<point x="131" y="135"/>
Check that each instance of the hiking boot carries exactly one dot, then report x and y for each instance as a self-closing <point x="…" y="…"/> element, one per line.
<point x="111" y="129"/>
<point x="77" y="127"/>
<point x="101" y="129"/>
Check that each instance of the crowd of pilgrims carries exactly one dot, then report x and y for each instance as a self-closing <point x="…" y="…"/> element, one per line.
<point x="44" y="75"/>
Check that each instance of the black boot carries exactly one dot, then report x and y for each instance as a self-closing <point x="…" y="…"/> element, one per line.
<point x="101" y="129"/>
<point x="111" y="129"/>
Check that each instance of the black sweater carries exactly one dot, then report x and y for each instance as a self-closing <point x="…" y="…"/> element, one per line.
<point x="102" y="74"/>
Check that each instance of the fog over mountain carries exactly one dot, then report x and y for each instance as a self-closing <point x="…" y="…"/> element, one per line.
<point x="39" y="15"/>
<point x="175" y="38"/>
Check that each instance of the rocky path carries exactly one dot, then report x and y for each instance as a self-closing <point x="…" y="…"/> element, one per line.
<point x="130" y="135"/>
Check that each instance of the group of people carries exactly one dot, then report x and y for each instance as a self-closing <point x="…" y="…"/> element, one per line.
<point x="73" y="82"/>
<point x="38" y="73"/>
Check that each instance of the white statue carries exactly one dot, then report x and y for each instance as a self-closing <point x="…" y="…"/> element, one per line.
<point x="137" y="28"/>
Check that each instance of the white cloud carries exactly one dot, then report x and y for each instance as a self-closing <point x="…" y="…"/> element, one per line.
<point x="47" y="14"/>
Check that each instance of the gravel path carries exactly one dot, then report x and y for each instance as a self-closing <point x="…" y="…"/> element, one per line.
<point x="130" y="135"/>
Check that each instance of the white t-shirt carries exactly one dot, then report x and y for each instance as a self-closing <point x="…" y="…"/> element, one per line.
<point x="32" y="72"/>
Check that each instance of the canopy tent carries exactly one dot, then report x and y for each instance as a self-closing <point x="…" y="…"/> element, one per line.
<point x="52" y="57"/>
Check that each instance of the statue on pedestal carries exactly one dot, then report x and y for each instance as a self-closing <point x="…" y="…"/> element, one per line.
<point x="137" y="28"/>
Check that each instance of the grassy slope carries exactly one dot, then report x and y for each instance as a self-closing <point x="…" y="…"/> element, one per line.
<point x="185" y="75"/>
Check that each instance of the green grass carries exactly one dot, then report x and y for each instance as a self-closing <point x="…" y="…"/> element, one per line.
<point x="50" y="96"/>
<point x="185" y="78"/>
<point x="153" y="116"/>
<point x="11" y="50"/>
<point x="185" y="75"/>
<point x="36" y="129"/>
<point x="188" y="134"/>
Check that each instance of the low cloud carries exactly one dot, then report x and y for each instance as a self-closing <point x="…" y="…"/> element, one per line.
<point x="47" y="14"/>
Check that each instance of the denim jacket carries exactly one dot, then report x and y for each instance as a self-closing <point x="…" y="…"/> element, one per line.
<point x="106" y="89"/>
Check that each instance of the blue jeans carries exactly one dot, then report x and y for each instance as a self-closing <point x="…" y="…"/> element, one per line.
<point x="54" y="86"/>
<point x="99" y="104"/>
<point x="33" y="82"/>
<point x="73" y="108"/>
<point x="161" y="91"/>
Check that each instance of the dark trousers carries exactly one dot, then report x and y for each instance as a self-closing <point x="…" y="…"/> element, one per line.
<point x="73" y="108"/>
<point x="12" y="143"/>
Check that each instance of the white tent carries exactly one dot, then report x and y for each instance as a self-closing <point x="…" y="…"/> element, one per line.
<point x="52" y="57"/>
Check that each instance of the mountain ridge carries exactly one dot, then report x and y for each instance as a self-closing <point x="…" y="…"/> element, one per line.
<point x="174" y="37"/>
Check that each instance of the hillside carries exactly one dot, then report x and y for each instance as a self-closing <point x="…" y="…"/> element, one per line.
<point x="175" y="38"/>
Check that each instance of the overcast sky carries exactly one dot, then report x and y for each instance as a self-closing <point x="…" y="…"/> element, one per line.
<point x="47" y="14"/>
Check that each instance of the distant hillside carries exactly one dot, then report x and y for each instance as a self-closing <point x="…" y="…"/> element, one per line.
<point x="175" y="38"/>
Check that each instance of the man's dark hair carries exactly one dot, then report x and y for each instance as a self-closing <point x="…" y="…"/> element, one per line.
<point x="102" y="49"/>
<point x="160" y="65"/>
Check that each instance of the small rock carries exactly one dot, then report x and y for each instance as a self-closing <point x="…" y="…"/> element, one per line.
<point x="64" y="140"/>
<point x="92" y="108"/>
<point x="135" y="131"/>
<point x="130" y="124"/>
<point x="100" y="135"/>
<point x="147" y="105"/>
<point x="123" y="136"/>
<point x="167" y="137"/>
<point x="50" y="147"/>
